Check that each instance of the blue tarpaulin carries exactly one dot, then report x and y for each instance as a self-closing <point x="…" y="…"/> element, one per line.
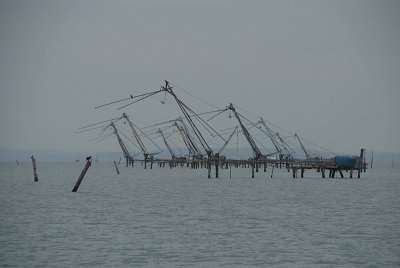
<point x="346" y="161"/>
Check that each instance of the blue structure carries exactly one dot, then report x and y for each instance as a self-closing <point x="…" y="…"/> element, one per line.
<point x="346" y="162"/>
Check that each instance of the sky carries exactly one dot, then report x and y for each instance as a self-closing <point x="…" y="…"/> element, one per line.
<point x="327" y="70"/>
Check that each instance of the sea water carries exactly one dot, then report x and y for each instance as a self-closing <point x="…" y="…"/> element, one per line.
<point x="179" y="218"/>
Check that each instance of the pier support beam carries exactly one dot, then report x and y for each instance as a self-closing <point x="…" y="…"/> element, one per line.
<point x="294" y="172"/>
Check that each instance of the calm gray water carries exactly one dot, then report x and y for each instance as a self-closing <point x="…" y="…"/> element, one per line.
<point x="179" y="218"/>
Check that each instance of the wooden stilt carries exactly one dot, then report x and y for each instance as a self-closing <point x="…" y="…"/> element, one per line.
<point x="341" y="173"/>
<point x="35" y="176"/>
<point x="116" y="168"/>
<point x="272" y="171"/>
<point x="323" y="172"/>
<point x="80" y="178"/>
<point x="209" y="165"/>
<point x="216" y="164"/>
<point x="252" y="170"/>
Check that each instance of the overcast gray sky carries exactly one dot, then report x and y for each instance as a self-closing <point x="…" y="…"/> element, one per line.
<point x="328" y="70"/>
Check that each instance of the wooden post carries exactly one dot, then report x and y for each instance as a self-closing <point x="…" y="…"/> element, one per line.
<point x="115" y="164"/>
<point x="359" y="171"/>
<point x="351" y="173"/>
<point x="341" y="173"/>
<point x="80" y="178"/>
<point x="265" y="166"/>
<point x="272" y="172"/>
<point x="230" y="171"/>
<point x="209" y="164"/>
<point x="216" y="164"/>
<point x="372" y="158"/>
<point x="323" y="173"/>
<point x="302" y="172"/>
<point x="252" y="170"/>
<point x="151" y="162"/>
<point x="35" y="176"/>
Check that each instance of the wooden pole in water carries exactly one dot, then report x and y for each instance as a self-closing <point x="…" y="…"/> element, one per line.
<point x="209" y="164"/>
<point x="216" y="165"/>
<point x="17" y="162"/>
<point x="230" y="171"/>
<point x="115" y="164"/>
<point x="393" y="161"/>
<point x="272" y="172"/>
<point x="34" y="169"/>
<point x="372" y="158"/>
<point x="80" y="178"/>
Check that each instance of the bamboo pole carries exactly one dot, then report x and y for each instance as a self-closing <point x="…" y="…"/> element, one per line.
<point x="84" y="170"/>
